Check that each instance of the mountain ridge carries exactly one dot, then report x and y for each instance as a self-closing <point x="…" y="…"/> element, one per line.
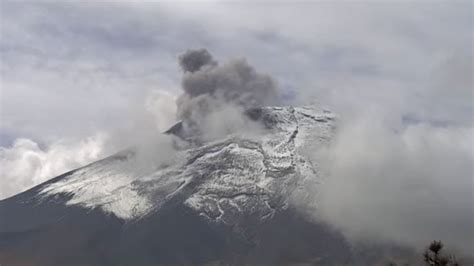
<point x="225" y="200"/>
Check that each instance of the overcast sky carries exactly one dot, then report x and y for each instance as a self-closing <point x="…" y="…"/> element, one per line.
<point x="71" y="69"/>
<point x="79" y="79"/>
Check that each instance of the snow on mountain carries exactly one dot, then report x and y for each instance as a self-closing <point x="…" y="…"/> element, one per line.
<point x="226" y="180"/>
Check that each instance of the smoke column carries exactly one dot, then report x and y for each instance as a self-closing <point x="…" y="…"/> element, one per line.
<point x="209" y="87"/>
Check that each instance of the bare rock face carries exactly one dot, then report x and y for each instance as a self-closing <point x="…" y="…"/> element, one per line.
<point x="228" y="201"/>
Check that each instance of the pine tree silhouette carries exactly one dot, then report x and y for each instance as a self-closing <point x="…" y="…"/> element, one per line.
<point x="433" y="257"/>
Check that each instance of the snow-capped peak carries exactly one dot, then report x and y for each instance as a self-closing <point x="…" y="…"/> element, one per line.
<point x="226" y="180"/>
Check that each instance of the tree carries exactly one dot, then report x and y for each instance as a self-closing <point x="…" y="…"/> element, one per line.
<point x="433" y="257"/>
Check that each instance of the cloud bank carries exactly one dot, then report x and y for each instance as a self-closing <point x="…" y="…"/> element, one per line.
<point x="405" y="185"/>
<point x="26" y="164"/>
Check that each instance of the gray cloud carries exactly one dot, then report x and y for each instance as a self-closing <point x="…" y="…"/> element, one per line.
<point x="193" y="60"/>
<point x="209" y="87"/>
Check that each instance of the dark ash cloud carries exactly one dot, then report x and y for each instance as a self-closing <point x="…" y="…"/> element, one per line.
<point x="193" y="60"/>
<point x="210" y="87"/>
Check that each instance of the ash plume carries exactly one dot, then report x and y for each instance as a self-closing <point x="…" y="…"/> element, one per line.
<point x="209" y="87"/>
<point x="193" y="60"/>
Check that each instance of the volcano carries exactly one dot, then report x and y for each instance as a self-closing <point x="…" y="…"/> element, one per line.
<point x="226" y="201"/>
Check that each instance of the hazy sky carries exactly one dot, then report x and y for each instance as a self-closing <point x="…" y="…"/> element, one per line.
<point x="71" y="69"/>
<point x="79" y="78"/>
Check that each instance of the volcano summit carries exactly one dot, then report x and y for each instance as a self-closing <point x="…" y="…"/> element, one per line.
<point x="224" y="194"/>
<point x="226" y="201"/>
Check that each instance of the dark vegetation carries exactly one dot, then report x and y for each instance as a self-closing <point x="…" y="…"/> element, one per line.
<point x="433" y="256"/>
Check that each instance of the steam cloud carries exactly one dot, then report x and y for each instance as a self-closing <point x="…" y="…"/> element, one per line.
<point x="209" y="87"/>
<point x="407" y="186"/>
<point x="26" y="163"/>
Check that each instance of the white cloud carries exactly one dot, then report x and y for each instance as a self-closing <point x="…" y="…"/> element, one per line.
<point x="162" y="106"/>
<point x="409" y="185"/>
<point x="26" y="164"/>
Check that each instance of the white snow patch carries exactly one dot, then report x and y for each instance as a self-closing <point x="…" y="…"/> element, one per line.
<point x="237" y="168"/>
<point x="105" y="184"/>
